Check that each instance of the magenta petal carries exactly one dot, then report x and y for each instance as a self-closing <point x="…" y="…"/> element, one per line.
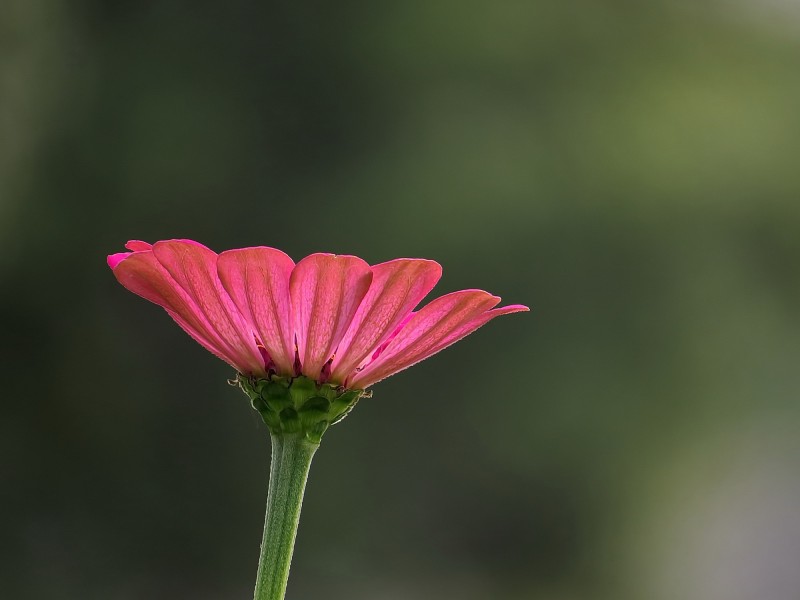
<point x="257" y="280"/>
<point x="217" y="348"/>
<point x="134" y="246"/>
<point x="194" y="268"/>
<point x="326" y="290"/>
<point x="397" y="287"/>
<point x="439" y="324"/>
<point x="114" y="259"/>
<point x="143" y="275"/>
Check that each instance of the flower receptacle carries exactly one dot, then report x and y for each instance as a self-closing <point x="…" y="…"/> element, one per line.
<point x="298" y="404"/>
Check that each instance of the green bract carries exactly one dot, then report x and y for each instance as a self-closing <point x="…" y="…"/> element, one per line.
<point x="298" y="404"/>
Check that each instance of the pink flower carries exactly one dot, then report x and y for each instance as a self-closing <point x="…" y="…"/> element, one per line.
<point x="329" y="317"/>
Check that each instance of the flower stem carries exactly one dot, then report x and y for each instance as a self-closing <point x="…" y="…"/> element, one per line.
<point x="291" y="459"/>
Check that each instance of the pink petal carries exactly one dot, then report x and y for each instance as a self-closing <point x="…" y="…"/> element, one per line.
<point x="441" y="323"/>
<point x="397" y="287"/>
<point x="138" y="246"/>
<point x="143" y="275"/>
<point x="257" y="280"/>
<point x="326" y="290"/>
<point x="194" y="268"/>
<point x="379" y="350"/>
<point x="217" y="348"/>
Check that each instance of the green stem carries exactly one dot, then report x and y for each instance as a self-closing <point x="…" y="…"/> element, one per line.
<point x="291" y="459"/>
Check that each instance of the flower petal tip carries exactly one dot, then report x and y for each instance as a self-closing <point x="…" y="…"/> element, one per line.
<point x="512" y="308"/>
<point x="114" y="259"/>
<point x="138" y="246"/>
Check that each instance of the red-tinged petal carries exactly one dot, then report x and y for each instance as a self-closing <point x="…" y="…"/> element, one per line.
<point x="379" y="350"/>
<point x="138" y="246"/>
<point x="476" y="323"/>
<point x="216" y="348"/>
<point x="436" y="326"/>
<point x="257" y="280"/>
<point x="326" y="290"/>
<point x="397" y="287"/>
<point x="194" y="268"/>
<point x="143" y="275"/>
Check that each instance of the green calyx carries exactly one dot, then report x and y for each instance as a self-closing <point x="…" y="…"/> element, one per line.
<point x="298" y="404"/>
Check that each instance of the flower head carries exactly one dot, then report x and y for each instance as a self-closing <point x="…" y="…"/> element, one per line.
<point x="331" y="318"/>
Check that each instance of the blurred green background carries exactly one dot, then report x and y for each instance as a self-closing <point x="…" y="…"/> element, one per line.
<point x="628" y="169"/>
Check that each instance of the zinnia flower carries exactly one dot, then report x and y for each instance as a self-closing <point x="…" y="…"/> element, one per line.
<point x="332" y="318"/>
<point x="307" y="339"/>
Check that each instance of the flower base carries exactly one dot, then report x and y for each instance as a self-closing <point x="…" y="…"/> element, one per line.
<point x="298" y="404"/>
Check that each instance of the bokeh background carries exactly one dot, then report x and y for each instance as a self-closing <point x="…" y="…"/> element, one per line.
<point x="628" y="169"/>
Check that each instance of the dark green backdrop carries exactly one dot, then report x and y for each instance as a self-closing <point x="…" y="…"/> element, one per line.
<point x="627" y="169"/>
